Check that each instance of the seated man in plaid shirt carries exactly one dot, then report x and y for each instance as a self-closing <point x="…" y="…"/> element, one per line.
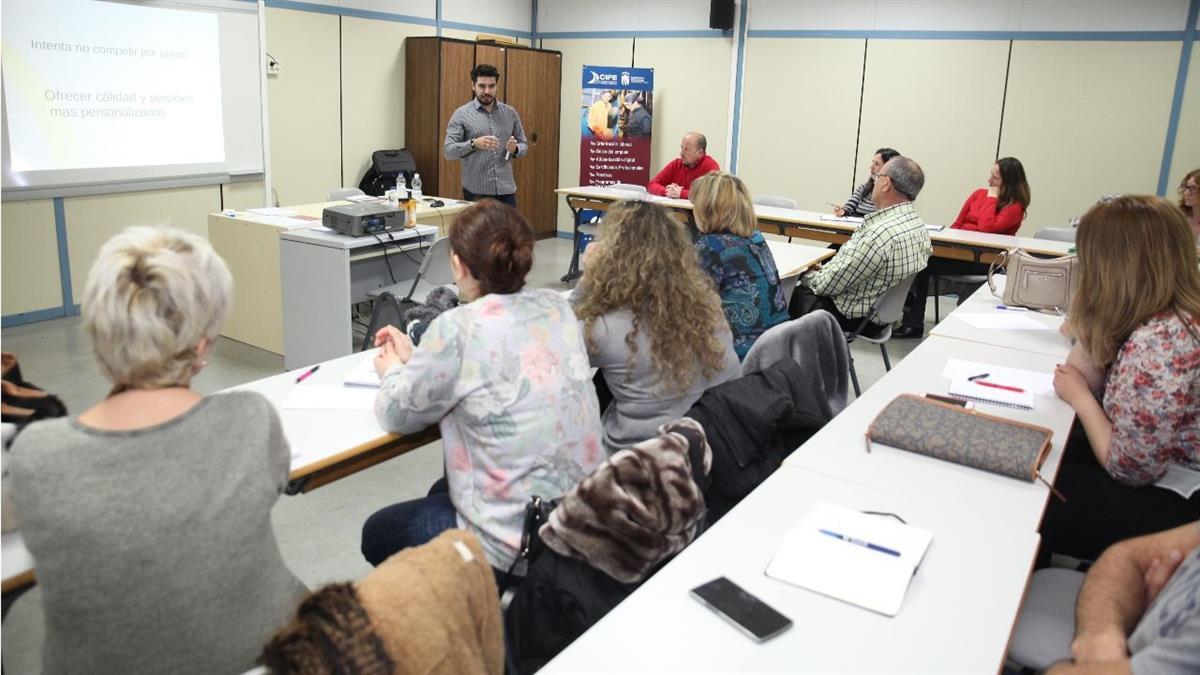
<point x="891" y="244"/>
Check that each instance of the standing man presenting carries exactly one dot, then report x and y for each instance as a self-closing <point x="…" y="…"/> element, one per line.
<point x="487" y="136"/>
<point x="693" y="161"/>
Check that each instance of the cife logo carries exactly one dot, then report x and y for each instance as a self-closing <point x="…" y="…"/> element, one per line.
<point x="606" y="78"/>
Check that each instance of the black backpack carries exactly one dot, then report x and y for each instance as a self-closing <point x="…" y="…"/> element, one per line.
<point x="385" y="165"/>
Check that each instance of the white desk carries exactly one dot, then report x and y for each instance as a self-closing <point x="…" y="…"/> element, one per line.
<point x="249" y="243"/>
<point x="16" y="562"/>
<point x="982" y="301"/>
<point x="323" y="273"/>
<point x="956" y="617"/>
<point x="839" y="449"/>
<point x="329" y="444"/>
<point x="792" y="260"/>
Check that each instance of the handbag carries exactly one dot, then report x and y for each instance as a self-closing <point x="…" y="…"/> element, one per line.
<point x="1036" y="283"/>
<point x="955" y="434"/>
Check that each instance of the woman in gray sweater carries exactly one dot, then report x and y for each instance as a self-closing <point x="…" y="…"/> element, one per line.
<point x="652" y="320"/>
<point x="150" y="514"/>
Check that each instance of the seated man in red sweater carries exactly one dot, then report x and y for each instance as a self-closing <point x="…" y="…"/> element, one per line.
<point x="693" y="162"/>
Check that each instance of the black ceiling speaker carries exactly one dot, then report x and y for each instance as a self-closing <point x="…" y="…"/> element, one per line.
<point x="720" y="14"/>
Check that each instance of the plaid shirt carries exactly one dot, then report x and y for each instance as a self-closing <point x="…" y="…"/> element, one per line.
<point x="485" y="172"/>
<point x="890" y="245"/>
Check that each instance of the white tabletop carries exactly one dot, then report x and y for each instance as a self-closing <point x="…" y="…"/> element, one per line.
<point x="982" y="301"/>
<point x="15" y="559"/>
<point x="839" y="449"/>
<point x="317" y="435"/>
<point x="947" y="237"/>
<point x="956" y="617"/>
<point x="794" y="259"/>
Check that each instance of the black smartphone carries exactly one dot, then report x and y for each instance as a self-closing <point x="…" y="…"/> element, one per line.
<point x="747" y="613"/>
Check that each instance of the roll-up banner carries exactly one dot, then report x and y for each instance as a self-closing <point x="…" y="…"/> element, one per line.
<point x="616" y="117"/>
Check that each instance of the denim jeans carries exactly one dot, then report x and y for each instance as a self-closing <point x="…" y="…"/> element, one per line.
<point x="412" y="523"/>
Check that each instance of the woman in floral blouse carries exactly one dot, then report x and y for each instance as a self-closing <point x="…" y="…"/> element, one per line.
<point x="506" y="378"/>
<point x="736" y="256"/>
<point x="1133" y="379"/>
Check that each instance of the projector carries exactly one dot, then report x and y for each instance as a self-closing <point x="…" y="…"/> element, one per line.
<point x="357" y="220"/>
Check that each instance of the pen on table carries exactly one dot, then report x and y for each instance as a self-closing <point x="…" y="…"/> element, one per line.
<point x="308" y="372"/>
<point x="978" y="379"/>
<point x="1012" y="309"/>
<point x="860" y="542"/>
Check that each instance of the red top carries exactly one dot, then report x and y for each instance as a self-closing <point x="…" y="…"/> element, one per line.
<point x="677" y="173"/>
<point x="979" y="214"/>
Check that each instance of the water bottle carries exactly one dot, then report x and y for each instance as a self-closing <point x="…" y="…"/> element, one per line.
<point x="416" y="186"/>
<point x="401" y="187"/>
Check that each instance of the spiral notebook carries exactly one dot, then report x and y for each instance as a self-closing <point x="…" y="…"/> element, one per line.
<point x="993" y="390"/>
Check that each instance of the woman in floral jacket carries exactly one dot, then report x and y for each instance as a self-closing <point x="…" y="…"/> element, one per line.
<point x="1133" y="379"/>
<point x="506" y="377"/>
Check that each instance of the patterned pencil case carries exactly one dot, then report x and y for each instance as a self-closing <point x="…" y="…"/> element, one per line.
<point x="968" y="437"/>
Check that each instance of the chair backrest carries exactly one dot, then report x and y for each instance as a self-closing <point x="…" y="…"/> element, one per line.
<point x="772" y="200"/>
<point x="628" y="186"/>
<point x="341" y="193"/>
<point x="890" y="306"/>
<point x="1056" y="233"/>
<point x="435" y="266"/>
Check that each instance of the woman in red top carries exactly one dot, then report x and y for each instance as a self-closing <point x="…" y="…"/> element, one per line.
<point x="1000" y="207"/>
<point x="997" y="209"/>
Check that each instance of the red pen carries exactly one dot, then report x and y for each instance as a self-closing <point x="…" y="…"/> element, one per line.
<point x="993" y="385"/>
<point x="310" y="371"/>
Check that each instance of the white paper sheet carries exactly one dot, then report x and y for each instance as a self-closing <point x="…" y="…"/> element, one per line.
<point x="1181" y="480"/>
<point x="1001" y="320"/>
<point x="273" y="211"/>
<point x="364" y="374"/>
<point x="841" y="219"/>
<point x="848" y="571"/>
<point x="288" y="222"/>
<point x="1037" y="383"/>
<point x="329" y="397"/>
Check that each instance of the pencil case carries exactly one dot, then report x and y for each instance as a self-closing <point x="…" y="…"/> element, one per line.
<point x="968" y="437"/>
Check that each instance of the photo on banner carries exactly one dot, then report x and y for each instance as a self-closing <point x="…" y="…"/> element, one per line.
<point x="616" y="116"/>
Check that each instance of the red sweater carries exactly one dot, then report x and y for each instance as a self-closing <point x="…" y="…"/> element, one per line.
<point x="677" y="173"/>
<point x="979" y="214"/>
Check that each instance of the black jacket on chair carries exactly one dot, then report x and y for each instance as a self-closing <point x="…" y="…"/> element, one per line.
<point x="752" y="423"/>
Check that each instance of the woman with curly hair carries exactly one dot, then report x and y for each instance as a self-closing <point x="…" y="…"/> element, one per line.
<point x="652" y="321"/>
<point x="736" y="257"/>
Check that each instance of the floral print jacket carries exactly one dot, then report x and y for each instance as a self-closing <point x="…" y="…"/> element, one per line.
<point x="1152" y="398"/>
<point x="507" y="379"/>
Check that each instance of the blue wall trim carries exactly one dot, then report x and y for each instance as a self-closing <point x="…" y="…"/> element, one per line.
<point x="349" y="11"/>
<point x="437" y="13"/>
<point x="533" y="12"/>
<point x="1181" y="76"/>
<point x="584" y="35"/>
<point x="1092" y="36"/>
<point x="23" y="318"/>
<point x="64" y="256"/>
<point x="569" y="235"/>
<point x="737" y="87"/>
<point x="489" y="29"/>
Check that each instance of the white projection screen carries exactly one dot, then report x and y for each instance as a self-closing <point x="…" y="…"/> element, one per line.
<point x="104" y="96"/>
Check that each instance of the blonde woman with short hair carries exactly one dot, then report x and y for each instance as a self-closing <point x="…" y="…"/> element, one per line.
<point x="735" y="255"/>
<point x="652" y="322"/>
<point x="1133" y="377"/>
<point x="150" y="513"/>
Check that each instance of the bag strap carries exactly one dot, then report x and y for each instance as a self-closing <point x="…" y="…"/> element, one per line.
<point x="1001" y="260"/>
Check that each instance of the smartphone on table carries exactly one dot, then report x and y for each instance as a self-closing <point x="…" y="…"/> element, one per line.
<point x="752" y="616"/>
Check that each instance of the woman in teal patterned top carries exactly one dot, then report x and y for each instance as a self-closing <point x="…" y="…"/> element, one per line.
<point x="736" y="256"/>
<point x="506" y="377"/>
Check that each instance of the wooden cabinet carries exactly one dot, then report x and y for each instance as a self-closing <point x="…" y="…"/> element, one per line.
<point x="438" y="81"/>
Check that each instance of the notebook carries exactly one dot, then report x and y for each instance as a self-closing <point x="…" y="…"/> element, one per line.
<point x="991" y="390"/>
<point x="364" y="374"/>
<point x="865" y="560"/>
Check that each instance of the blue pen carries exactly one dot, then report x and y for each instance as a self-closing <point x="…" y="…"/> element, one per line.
<point x="1012" y="309"/>
<point x="860" y="542"/>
